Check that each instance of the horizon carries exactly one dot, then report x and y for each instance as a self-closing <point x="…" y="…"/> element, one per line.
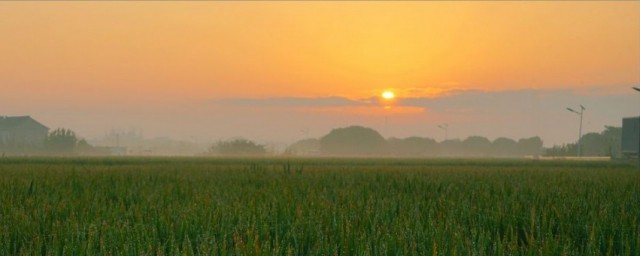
<point x="280" y="71"/>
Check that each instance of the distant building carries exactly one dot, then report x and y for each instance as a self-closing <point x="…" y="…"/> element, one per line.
<point x="22" y="130"/>
<point x="631" y="136"/>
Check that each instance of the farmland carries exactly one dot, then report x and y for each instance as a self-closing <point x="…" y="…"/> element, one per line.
<point x="206" y="206"/>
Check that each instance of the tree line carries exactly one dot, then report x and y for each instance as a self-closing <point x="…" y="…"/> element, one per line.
<point x="363" y="141"/>
<point x="356" y="141"/>
<point x="58" y="142"/>
<point x="605" y="143"/>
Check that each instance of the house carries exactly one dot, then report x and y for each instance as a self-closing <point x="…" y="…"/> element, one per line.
<point x="22" y="130"/>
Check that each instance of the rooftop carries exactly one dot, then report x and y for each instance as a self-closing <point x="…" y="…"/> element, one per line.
<point x="11" y="122"/>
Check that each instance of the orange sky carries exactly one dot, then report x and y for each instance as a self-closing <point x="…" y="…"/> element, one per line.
<point x="162" y="66"/>
<point x="128" y="51"/>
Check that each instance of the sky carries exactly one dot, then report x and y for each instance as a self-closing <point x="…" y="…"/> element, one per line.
<point x="280" y="71"/>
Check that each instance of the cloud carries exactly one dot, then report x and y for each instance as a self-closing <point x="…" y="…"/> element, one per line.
<point x="471" y="102"/>
<point x="608" y="100"/>
<point x="294" y="102"/>
<point x="477" y="102"/>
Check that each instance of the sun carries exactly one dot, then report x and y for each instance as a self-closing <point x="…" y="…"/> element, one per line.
<point x="388" y="95"/>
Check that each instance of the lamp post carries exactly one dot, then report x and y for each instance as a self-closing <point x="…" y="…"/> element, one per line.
<point x="638" y="89"/>
<point x="444" y="127"/>
<point x="582" y="109"/>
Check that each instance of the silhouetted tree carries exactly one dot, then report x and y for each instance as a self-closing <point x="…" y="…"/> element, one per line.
<point x="477" y="146"/>
<point x="451" y="147"/>
<point x="61" y="141"/>
<point x="562" y="150"/>
<point x="504" y="147"/>
<point x="413" y="146"/>
<point x="353" y="140"/>
<point x="613" y="135"/>
<point x="594" y="144"/>
<point x="304" y="147"/>
<point x="530" y="146"/>
<point x="606" y="143"/>
<point x="238" y="147"/>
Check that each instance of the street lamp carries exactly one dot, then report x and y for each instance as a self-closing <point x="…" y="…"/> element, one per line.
<point x="582" y="109"/>
<point x="444" y="127"/>
<point x="638" y="89"/>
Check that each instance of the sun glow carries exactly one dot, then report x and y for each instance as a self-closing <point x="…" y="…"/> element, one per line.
<point x="388" y="95"/>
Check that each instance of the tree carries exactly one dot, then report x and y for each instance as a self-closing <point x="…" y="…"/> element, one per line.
<point x="304" y="147"/>
<point x="530" y="146"/>
<point x="564" y="150"/>
<point x="353" y="140"/>
<point x="451" y="147"/>
<point x="61" y="141"/>
<point x="504" y="147"/>
<point x="606" y="143"/>
<point x="477" y="145"/>
<point x="613" y="135"/>
<point x="594" y="144"/>
<point x="238" y="147"/>
<point x="413" y="146"/>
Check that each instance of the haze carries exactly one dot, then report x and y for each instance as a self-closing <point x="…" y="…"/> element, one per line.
<point x="282" y="71"/>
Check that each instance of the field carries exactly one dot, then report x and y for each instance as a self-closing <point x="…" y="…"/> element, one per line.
<point x="199" y="206"/>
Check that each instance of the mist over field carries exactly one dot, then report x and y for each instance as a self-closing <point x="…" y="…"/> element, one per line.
<point x="275" y="73"/>
<point x="280" y="122"/>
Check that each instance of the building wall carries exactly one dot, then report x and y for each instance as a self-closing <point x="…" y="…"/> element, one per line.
<point x="631" y="135"/>
<point x="31" y="135"/>
<point x="4" y="136"/>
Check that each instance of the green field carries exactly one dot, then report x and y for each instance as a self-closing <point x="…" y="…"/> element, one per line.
<point x="197" y="206"/>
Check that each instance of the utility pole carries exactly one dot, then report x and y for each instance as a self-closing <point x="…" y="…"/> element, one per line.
<point x="638" y="153"/>
<point x="444" y="127"/>
<point x="582" y="109"/>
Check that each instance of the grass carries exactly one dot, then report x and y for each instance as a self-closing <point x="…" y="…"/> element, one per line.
<point x="271" y="206"/>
